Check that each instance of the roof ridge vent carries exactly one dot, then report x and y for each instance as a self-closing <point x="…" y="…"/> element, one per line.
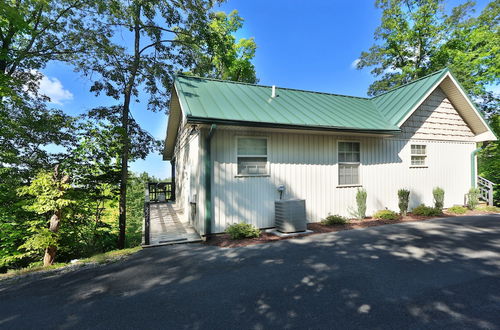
<point x="273" y="91"/>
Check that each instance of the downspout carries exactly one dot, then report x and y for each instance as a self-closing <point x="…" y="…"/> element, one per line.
<point x="208" y="180"/>
<point x="473" y="167"/>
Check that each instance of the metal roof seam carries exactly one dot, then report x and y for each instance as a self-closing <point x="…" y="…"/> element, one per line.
<point x="267" y="86"/>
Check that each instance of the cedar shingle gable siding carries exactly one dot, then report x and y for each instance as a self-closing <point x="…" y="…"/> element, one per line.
<point x="436" y="119"/>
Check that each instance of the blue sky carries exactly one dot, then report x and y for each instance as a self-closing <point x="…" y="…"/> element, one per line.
<point x="301" y="44"/>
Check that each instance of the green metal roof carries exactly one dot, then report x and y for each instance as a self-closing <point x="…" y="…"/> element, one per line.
<point x="396" y="103"/>
<point x="210" y="100"/>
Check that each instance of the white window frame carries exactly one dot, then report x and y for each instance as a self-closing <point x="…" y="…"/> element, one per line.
<point x="237" y="138"/>
<point x="424" y="155"/>
<point x="359" y="184"/>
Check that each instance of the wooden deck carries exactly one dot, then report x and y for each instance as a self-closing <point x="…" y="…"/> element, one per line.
<point x="167" y="228"/>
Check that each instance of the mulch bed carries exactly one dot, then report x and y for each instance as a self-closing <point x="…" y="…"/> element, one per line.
<point x="223" y="240"/>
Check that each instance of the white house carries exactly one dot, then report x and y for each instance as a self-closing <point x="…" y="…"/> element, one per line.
<point x="232" y="144"/>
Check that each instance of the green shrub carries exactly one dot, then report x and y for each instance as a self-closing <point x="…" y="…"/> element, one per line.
<point x="457" y="209"/>
<point x="473" y="198"/>
<point x="404" y="198"/>
<point x="361" y="203"/>
<point x="386" y="215"/>
<point x="334" y="220"/>
<point x="426" y="211"/>
<point x="438" y="198"/>
<point x="242" y="230"/>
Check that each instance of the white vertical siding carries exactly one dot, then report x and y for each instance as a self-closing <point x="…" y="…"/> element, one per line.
<point x="307" y="165"/>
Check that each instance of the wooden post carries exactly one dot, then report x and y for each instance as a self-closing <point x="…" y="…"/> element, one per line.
<point x="172" y="181"/>
<point x="147" y="218"/>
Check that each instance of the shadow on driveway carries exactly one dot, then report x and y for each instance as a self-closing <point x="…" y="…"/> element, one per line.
<point x="434" y="274"/>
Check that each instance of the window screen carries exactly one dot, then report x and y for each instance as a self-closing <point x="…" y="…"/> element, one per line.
<point x="349" y="160"/>
<point x="418" y="155"/>
<point x="252" y="156"/>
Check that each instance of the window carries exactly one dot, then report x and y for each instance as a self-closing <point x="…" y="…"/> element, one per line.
<point x="252" y="156"/>
<point x="349" y="160"/>
<point x="418" y="155"/>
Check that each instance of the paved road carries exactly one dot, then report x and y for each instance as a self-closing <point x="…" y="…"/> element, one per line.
<point x="436" y="274"/>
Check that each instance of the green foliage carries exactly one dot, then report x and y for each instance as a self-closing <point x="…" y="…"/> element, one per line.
<point x="426" y="211"/>
<point x="334" y="220"/>
<point x="386" y="215"/>
<point x="457" y="209"/>
<point x="49" y="193"/>
<point x="438" y="194"/>
<point x="489" y="157"/>
<point x="360" y="212"/>
<point x="473" y="198"/>
<point x="242" y="230"/>
<point x="416" y="38"/>
<point x="220" y="55"/>
<point x="404" y="199"/>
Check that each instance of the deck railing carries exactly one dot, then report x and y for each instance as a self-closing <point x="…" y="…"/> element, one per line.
<point x="161" y="191"/>
<point x="485" y="190"/>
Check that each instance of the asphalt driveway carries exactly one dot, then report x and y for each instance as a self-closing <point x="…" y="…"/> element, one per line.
<point x="437" y="274"/>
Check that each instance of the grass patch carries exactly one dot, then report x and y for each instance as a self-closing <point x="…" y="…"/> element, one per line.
<point x="110" y="256"/>
<point x="457" y="209"/>
<point x="98" y="258"/>
<point x="488" y="208"/>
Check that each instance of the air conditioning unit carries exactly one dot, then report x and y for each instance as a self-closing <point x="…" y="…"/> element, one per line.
<point x="290" y="215"/>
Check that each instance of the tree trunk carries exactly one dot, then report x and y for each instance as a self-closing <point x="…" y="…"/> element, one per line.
<point x="50" y="252"/>
<point x="122" y="218"/>
<point x="50" y="256"/>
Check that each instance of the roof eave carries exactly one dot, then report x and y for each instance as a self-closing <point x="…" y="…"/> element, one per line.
<point x="205" y="120"/>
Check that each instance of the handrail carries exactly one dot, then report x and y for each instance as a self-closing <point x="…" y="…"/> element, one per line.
<point x="486" y="188"/>
<point x="480" y="178"/>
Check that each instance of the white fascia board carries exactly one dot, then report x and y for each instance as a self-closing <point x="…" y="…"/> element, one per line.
<point x="491" y="135"/>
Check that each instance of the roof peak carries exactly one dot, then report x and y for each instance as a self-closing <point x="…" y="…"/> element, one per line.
<point x="413" y="81"/>
<point x="267" y="86"/>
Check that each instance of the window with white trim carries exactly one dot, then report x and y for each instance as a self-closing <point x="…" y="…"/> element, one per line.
<point x="252" y="156"/>
<point x="418" y="154"/>
<point x="349" y="160"/>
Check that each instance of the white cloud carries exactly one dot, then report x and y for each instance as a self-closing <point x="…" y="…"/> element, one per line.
<point x="354" y="63"/>
<point x="53" y="88"/>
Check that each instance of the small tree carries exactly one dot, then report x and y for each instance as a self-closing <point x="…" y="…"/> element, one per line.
<point x="361" y="203"/>
<point x="404" y="198"/>
<point x="50" y="198"/>
<point x="473" y="198"/>
<point x="438" y="198"/>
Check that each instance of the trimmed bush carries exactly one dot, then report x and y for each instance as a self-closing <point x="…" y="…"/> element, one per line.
<point x="438" y="198"/>
<point x="334" y="220"/>
<point x="426" y="211"/>
<point x="404" y="199"/>
<point x="361" y="203"/>
<point x="242" y="230"/>
<point x="457" y="209"/>
<point x="473" y="198"/>
<point x="386" y="215"/>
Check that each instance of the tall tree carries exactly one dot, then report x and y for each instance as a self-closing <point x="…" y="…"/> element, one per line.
<point x="220" y="55"/>
<point x="417" y="37"/>
<point x="139" y="49"/>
